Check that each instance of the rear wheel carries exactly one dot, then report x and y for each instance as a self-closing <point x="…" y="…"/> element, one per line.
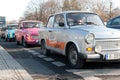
<point x="44" y="50"/>
<point x="74" y="58"/>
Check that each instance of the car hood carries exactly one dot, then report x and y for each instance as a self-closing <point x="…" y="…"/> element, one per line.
<point x="102" y="32"/>
<point x="11" y="31"/>
<point x="33" y="31"/>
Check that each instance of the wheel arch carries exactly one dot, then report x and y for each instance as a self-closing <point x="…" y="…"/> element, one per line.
<point x="68" y="45"/>
<point x="22" y="37"/>
<point x="42" y="40"/>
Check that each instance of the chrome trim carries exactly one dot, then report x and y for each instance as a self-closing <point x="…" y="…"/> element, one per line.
<point x="93" y="56"/>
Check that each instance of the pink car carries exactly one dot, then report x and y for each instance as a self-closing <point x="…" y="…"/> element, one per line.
<point x="28" y="32"/>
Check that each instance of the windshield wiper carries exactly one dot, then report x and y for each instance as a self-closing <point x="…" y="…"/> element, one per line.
<point x="74" y="23"/>
<point x="90" y="23"/>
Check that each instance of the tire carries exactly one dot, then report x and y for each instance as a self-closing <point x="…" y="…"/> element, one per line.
<point x="6" y="39"/>
<point x="44" y="50"/>
<point x="74" y="58"/>
<point x="24" y="43"/>
<point x="18" y="42"/>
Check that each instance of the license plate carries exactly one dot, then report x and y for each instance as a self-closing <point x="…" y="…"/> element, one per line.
<point x="112" y="56"/>
<point x="11" y="35"/>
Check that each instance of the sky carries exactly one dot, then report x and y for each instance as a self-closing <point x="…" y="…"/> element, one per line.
<point x="117" y="3"/>
<point x="14" y="9"/>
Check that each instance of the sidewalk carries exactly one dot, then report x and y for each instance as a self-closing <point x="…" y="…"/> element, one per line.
<point x="10" y="69"/>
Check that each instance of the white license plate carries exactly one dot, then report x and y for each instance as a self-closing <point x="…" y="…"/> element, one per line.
<point x="11" y="35"/>
<point x="112" y="56"/>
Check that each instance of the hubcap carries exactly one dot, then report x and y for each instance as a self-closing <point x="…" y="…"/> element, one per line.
<point x="43" y="48"/>
<point x="73" y="57"/>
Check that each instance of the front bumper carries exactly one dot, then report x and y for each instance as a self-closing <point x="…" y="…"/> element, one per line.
<point x="34" y="41"/>
<point x="95" y="58"/>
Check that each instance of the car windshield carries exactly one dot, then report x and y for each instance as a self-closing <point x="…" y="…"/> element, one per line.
<point x="33" y="24"/>
<point x="12" y="26"/>
<point x="74" y="19"/>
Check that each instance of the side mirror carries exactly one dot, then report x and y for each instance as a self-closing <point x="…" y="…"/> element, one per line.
<point x="61" y="24"/>
<point x="21" y="27"/>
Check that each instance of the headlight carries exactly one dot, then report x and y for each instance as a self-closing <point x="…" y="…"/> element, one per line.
<point x="28" y="36"/>
<point x="98" y="48"/>
<point x="90" y="38"/>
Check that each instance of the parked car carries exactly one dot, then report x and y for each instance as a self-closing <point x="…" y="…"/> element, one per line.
<point x="28" y="32"/>
<point x="80" y="41"/>
<point x="3" y="29"/>
<point x="10" y="32"/>
<point x="114" y="23"/>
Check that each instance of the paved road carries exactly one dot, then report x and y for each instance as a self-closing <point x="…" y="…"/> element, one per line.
<point x="56" y="66"/>
<point x="38" y="66"/>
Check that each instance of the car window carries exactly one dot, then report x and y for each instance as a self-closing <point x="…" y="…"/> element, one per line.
<point x="109" y="22"/>
<point x="12" y="26"/>
<point x="58" y="19"/>
<point x="32" y="24"/>
<point x="116" y="21"/>
<point x="4" y="28"/>
<point x="50" y="22"/>
<point x="74" y="19"/>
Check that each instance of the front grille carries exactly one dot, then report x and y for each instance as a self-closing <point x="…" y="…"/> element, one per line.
<point x="11" y="35"/>
<point x="34" y="37"/>
<point x="109" y="44"/>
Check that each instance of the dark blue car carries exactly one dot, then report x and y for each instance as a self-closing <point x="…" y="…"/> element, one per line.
<point x="114" y="23"/>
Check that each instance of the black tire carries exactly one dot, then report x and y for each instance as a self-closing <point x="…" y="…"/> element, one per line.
<point x="74" y="58"/>
<point x="44" y="50"/>
<point x="18" y="42"/>
<point x="24" y="43"/>
<point x="6" y="39"/>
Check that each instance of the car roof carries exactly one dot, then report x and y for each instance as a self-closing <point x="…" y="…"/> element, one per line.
<point x="65" y="12"/>
<point x="31" y="21"/>
<point x="12" y="24"/>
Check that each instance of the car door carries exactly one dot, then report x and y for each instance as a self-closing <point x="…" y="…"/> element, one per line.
<point x="50" y="39"/>
<point x="59" y="33"/>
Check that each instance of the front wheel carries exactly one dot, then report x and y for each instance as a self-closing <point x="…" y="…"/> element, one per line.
<point x="24" y="43"/>
<point x="18" y="42"/>
<point x="74" y="58"/>
<point x="44" y="50"/>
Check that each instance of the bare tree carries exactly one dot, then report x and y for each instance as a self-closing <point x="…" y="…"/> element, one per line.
<point x="33" y="8"/>
<point x="74" y="5"/>
<point x="41" y="9"/>
<point x="48" y="8"/>
<point x="66" y="5"/>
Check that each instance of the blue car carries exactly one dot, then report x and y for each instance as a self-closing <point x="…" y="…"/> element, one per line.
<point x="10" y="32"/>
<point x="114" y="23"/>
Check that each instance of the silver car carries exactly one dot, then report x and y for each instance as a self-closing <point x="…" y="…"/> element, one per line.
<point x="81" y="36"/>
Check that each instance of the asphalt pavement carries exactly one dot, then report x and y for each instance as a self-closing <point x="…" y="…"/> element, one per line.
<point x="55" y="67"/>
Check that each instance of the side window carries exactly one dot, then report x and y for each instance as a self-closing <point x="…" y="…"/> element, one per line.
<point x="116" y="21"/>
<point x="20" y="25"/>
<point x="109" y="22"/>
<point x="59" y="19"/>
<point x="50" y="22"/>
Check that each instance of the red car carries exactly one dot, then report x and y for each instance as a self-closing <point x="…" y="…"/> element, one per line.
<point x="28" y="32"/>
